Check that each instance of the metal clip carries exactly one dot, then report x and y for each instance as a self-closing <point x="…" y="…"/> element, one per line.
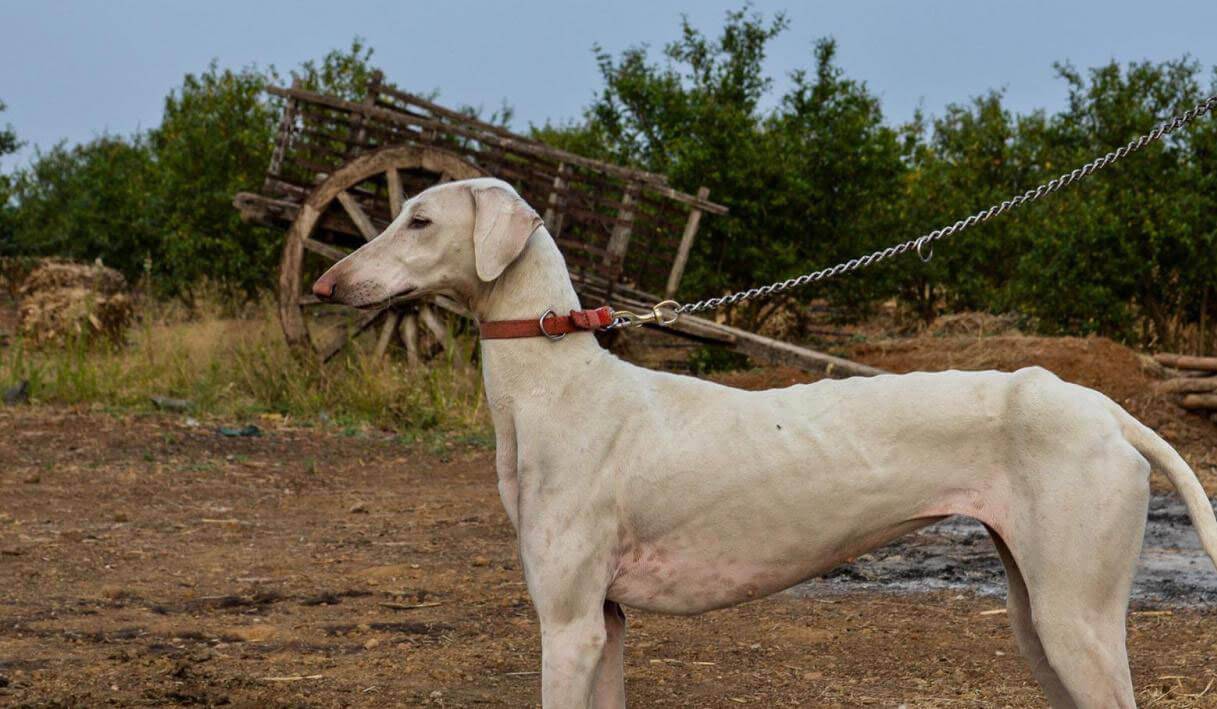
<point x="662" y="314"/>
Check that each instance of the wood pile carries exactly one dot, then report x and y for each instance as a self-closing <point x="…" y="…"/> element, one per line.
<point x="61" y="302"/>
<point x="1192" y="383"/>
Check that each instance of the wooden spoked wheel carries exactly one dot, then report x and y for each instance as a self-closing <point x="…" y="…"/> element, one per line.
<point x="349" y="208"/>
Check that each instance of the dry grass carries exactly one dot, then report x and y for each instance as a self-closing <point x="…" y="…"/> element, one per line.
<point x="242" y="368"/>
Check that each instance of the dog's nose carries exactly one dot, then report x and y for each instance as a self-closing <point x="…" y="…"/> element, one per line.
<point x="324" y="287"/>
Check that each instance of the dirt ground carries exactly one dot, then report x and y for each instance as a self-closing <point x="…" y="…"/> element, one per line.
<point x="145" y="562"/>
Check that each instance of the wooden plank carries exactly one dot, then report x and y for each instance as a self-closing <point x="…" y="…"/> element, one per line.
<point x="409" y="337"/>
<point x="553" y="217"/>
<point x="346" y="334"/>
<point x="331" y="252"/>
<point x="387" y="330"/>
<point x="256" y="209"/>
<point x="283" y="138"/>
<point x="594" y="288"/>
<point x="1188" y="385"/>
<point x="758" y="347"/>
<point x="537" y="146"/>
<point x="686" y="244"/>
<point x="397" y="195"/>
<point x="359" y="131"/>
<point x="512" y="144"/>
<point x="619" y="242"/>
<point x="1178" y="361"/>
<point x="321" y="139"/>
<point x="1199" y="401"/>
<point x="437" y="110"/>
<point x="272" y="212"/>
<point x="776" y="352"/>
<point x="703" y="205"/>
<point x="357" y="215"/>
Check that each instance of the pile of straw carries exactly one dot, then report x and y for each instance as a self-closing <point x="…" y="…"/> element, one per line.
<point x="63" y="302"/>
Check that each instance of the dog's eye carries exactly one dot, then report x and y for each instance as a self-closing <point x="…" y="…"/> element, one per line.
<point x="419" y="223"/>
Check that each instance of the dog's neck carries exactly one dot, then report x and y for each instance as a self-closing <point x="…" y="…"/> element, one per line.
<point x="516" y="369"/>
<point x="535" y="282"/>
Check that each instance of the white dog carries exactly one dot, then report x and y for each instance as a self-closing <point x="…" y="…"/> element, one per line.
<point x="629" y="487"/>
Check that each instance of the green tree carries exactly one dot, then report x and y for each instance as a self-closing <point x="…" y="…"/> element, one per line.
<point x="344" y="73"/>
<point x="1128" y="253"/>
<point x="1131" y="252"/>
<point x="8" y="137"/>
<point x="839" y="173"/>
<point x="86" y="202"/>
<point x="806" y="182"/>
<point x="974" y="155"/>
<point x="165" y="197"/>
<point x="214" y="140"/>
<point x="204" y="237"/>
<point x="8" y="145"/>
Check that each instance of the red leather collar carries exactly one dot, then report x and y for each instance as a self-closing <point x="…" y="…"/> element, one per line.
<point x="548" y="325"/>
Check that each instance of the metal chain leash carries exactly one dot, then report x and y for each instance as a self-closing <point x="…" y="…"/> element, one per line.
<point x="668" y="311"/>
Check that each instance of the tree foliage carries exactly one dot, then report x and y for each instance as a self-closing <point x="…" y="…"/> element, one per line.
<point x="8" y="144"/>
<point x="802" y="182"/>
<point x="86" y="202"/>
<point x="822" y="177"/>
<point x="813" y="175"/>
<point x="202" y="235"/>
<point x="8" y="137"/>
<point x="1128" y="253"/>
<point x="162" y="200"/>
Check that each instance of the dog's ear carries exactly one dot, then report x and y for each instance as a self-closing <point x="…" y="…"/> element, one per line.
<point x="502" y="223"/>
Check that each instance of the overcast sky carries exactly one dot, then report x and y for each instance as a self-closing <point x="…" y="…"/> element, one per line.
<point x="74" y="70"/>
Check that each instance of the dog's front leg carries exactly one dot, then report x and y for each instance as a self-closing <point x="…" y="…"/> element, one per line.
<point x="568" y="576"/>
<point x="610" y="676"/>
<point x="570" y="653"/>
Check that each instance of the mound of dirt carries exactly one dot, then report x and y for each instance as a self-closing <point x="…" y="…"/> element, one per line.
<point x="975" y="324"/>
<point x="62" y="301"/>
<point x="1095" y="362"/>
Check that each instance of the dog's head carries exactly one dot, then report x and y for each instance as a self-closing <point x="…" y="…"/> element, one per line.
<point x="447" y="240"/>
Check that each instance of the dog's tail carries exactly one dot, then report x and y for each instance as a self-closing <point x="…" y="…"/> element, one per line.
<point x="1163" y="457"/>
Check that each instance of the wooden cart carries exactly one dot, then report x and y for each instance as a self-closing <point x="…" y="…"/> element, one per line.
<point x="341" y="170"/>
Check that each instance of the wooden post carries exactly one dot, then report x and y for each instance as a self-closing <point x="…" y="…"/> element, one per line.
<point x="620" y="239"/>
<point x="283" y="140"/>
<point x="686" y="245"/>
<point x="397" y="193"/>
<point x="553" y="217"/>
<point x="387" y="330"/>
<point x="359" y="129"/>
<point x="408" y="331"/>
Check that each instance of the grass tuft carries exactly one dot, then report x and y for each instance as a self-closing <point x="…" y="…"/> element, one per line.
<point x="243" y="369"/>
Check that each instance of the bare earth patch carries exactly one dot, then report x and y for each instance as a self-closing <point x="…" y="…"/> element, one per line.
<point x="146" y="563"/>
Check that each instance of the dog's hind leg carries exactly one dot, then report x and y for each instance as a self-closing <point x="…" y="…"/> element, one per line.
<point x="609" y="692"/>
<point x="1076" y="552"/>
<point x="1018" y="606"/>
